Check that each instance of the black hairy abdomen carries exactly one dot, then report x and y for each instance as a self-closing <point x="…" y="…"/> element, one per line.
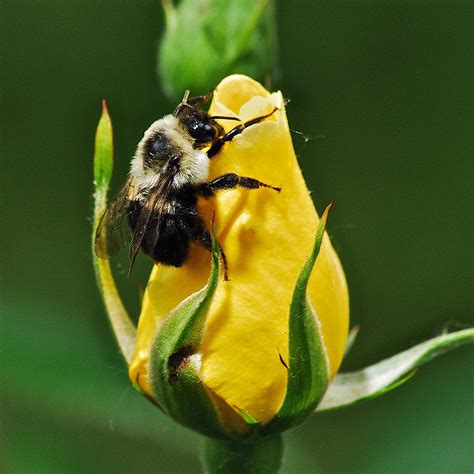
<point x="177" y="227"/>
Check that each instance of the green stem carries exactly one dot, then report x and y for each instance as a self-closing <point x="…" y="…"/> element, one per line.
<point x="262" y="456"/>
<point x="122" y="326"/>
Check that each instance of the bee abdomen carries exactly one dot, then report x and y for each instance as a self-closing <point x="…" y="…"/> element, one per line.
<point x="172" y="247"/>
<point x="169" y="243"/>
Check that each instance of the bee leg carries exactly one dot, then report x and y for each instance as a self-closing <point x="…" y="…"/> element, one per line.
<point x="204" y="99"/>
<point x="192" y="101"/>
<point x="205" y="240"/>
<point x="200" y="99"/>
<point x="230" y="135"/>
<point x="232" y="181"/>
<point x="224" y="263"/>
<point x="224" y="117"/>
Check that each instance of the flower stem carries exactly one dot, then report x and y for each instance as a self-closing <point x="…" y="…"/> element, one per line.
<point x="232" y="457"/>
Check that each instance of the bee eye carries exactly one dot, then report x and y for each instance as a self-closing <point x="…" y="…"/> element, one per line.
<point x="201" y="131"/>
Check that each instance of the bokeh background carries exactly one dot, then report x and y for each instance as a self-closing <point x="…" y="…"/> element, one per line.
<point x="383" y="89"/>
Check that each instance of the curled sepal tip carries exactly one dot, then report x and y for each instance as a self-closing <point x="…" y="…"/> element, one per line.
<point x="351" y="338"/>
<point x="308" y="368"/>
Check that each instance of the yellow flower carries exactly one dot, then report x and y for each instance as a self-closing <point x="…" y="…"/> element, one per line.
<point x="267" y="238"/>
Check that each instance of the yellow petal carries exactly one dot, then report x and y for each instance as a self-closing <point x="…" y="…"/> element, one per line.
<point x="267" y="237"/>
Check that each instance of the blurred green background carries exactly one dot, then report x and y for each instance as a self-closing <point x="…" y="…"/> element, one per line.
<point x="384" y="89"/>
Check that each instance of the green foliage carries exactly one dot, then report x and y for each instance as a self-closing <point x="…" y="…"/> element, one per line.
<point x="205" y="40"/>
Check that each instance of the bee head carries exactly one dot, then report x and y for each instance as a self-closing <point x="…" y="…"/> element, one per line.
<point x="202" y="128"/>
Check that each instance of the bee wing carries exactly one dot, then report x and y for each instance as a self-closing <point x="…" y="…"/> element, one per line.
<point x="113" y="232"/>
<point x="151" y="211"/>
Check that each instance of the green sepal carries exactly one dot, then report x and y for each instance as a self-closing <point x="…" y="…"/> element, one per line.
<point x="104" y="151"/>
<point x="249" y="419"/>
<point x="123" y="327"/>
<point x="206" y="40"/>
<point x="354" y="387"/>
<point x="351" y="338"/>
<point x="175" y="362"/>
<point x="308" y="370"/>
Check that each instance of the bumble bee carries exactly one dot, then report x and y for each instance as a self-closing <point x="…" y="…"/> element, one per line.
<point x="168" y="173"/>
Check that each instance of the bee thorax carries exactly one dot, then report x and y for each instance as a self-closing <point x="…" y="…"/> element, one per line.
<point x="193" y="169"/>
<point x="166" y="152"/>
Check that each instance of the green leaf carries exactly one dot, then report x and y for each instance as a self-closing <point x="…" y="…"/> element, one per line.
<point x="308" y="372"/>
<point x="175" y="363"/>
<point x="375" y="380"/>
<point x="122" y="325"/>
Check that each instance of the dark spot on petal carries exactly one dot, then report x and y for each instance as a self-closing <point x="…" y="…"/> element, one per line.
<point x="179" y="361"/>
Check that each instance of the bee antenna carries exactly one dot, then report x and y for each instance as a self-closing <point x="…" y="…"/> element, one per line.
<point x="184" y="104"/>
<point x="185" y="97"/>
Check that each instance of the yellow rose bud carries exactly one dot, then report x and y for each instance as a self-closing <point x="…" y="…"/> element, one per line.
<point x="267" y="238"/>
